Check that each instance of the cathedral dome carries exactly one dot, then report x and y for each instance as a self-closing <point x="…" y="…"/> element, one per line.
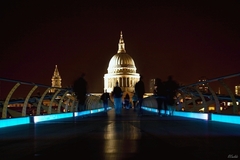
<point x="121" y="62"/>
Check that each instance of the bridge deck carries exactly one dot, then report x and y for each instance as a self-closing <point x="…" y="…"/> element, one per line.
<point x="128" y="137"/>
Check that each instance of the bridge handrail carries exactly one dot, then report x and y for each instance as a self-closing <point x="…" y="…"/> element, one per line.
<point x="92" y="102"/>
<point x="193" y="91"/>
<point x="211" y="80"/>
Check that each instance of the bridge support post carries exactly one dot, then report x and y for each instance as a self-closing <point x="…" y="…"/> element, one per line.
<point x="40" y="101"/>
<point x="235" y="107"/>
<point x="51" y="102"/>
<point x="27" y="99"/>
<point x="217" y="104"/>
<point x="203" y="100"/>
<point x="183" y="95"/>
<point x="61" y="100"/>
<point x="5" y="106"/>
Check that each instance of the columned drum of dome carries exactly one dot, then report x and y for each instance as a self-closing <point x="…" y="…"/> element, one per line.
<point x="121" y="69"/>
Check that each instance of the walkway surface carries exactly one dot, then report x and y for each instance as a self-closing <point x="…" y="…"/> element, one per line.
<point x="108" y="137"/>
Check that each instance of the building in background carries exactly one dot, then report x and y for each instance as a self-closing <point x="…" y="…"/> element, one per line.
<point x="56" y="80"/>
<point x="237" y="90"/>
<point x="203" y="86"/>
<point x="121" y="69"/>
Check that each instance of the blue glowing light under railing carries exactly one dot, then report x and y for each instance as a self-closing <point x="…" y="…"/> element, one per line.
<point x="203" y="116"/>
<point x="226" y="118"/>
<point x="82" y="113"/>
<point x="51" y="117"/>
<point x="14" y="121"/>
<point x="150" y="109"/>
<point x="180" y="113"/>
<point x="97" y="110"/>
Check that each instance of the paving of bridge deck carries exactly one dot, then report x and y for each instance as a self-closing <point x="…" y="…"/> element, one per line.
<point x="127" y="137"/>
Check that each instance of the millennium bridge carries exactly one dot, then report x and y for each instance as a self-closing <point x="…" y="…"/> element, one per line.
<point x="44" y="124"/>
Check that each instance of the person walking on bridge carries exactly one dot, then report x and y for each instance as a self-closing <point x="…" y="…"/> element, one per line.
<point x="117" y="95"/>
<point x="105" y="97"/>
<point x="80" y="89"/>
<point x="171" y="88"/>
<point x="140" y="91"/>
<point x="160" y="94"/>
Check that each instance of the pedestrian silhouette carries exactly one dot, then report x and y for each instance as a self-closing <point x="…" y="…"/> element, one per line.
<point x="127" y="101"/>
<point x="160" y="94"/>
<point x="171" y="88"/>
<point x="105" y="97"/>
<point x="140" y="91"/>
<point x="117" y="96"/>
<point x="134" y="99"/>
<point x="80" y="89"/>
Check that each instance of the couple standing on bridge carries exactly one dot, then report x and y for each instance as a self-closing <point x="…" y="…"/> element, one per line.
<point x="165" y="93"/>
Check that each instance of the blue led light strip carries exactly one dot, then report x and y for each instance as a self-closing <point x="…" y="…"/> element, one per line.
<point x="52" y="117"/>
<point x="226" y="118"/>
<point x="181" y="114"/>
<point x="14" y="121"/>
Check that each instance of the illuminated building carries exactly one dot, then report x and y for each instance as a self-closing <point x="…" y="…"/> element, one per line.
<point x="203" y="87"/>
<point x="56" y="80"/>
<point x="237" y="90"/>
<point x="152" y="85"/>
<point x="121" y="69"/>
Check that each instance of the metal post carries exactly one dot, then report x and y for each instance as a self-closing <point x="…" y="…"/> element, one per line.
<point x="61" y="100"/>
<point x="217" y="104"/>
<point x="4" y="111"/>
<point x="26" y="100"/>
<point x="40" y="101"/>
<point x="51" y="102"/>
<point x="203" y="99"/>
<point x="235" y="107"/>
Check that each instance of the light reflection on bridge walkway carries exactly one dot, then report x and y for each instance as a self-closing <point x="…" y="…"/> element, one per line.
<point x="101" y="136"/>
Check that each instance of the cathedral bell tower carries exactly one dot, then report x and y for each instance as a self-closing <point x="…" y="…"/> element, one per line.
<point x="56" y="80"/>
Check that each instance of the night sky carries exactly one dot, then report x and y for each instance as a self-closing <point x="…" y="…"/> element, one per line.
<point x="185" y="39"/>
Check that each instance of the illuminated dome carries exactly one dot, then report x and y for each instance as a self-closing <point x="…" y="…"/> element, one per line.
<point x="121" y="69"/>
<point x="121" y="62"/>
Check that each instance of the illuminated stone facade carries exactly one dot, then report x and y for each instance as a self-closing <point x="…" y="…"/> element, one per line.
<point x="121" y="69"/>
<point x="56" y="80"/>
<point x="237" y="90"/>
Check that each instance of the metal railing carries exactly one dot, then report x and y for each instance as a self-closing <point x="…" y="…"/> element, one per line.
<point x="33" y="103"/>
<point x="191" y="98"/>
<point x="194" y="100"/>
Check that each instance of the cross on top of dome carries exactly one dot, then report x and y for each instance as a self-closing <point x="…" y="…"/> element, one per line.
<point x="121" y="44"/>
